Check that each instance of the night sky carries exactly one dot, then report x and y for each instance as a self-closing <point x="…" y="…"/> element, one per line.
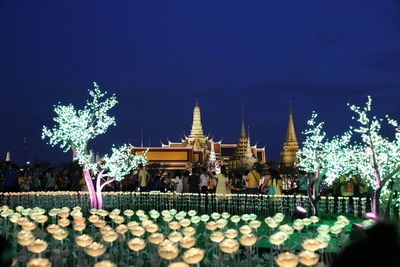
<point x="160" y="56"/>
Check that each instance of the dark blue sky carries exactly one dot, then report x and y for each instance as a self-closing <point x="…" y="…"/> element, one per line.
<point x="159" y="56"/>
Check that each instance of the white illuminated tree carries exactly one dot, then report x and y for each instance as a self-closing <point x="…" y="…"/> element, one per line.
<point x="76" y="127"/>
<point x="326" y="159"/>
<point x="378" y="157"/>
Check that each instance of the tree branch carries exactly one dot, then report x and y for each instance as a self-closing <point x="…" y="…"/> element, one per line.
<point x="106" y="183"/>
<point x="390" y="176"/>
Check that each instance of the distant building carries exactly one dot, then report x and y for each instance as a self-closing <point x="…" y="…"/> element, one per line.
<point x="200" y="149"/>
<point x="290" y="146"/>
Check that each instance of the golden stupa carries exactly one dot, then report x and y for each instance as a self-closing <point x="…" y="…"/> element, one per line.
<point x="290" y="146"/>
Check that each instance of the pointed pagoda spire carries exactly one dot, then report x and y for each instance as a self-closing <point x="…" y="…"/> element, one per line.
<point x="197" y="128"/>
<point x="242" y="145"/>
<point x="8" y="157"/>
<point x="249" y="153"/>
<point x="291" y="133"/>
<point x="243" y="131"/>
<point x="290" y="146"/>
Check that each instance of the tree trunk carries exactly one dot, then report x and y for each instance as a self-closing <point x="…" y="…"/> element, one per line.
<point x="377" y="193"/>
<point x="92" y="190"/>
<point x="375" y="202"/>
<point x="311" y="196"/>
<point x="100" y="187"/>
<point x="313" y="204"/>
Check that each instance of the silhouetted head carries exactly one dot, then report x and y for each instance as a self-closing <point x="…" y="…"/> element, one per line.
<point x="378" y="246"/>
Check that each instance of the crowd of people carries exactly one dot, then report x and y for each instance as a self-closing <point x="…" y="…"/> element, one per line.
<point x="345" y="186"/>
<point x="252" y="181"/>
<point x="196" y="180"/>
<point x="14" y="179"/>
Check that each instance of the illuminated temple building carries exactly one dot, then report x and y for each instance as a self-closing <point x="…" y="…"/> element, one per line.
<point x="200" y="149"/>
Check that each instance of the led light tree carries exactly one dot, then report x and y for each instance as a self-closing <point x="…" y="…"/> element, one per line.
<point x="76" y="127"/>
<point x="378" y="157"/>
<point x="326" y="159"/>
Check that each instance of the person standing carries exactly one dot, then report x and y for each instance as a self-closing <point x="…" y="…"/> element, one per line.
<point x="127" y="183"/>
<point x="212" y="183"/>
<point x="267" y="178"/>
<point x="50" y="178"/>
<point x="63" y="181"/>
<point x="231" y="178"/>
<point x="238" y="185"/>
<point x="194" y="181"/>
<point x="204" y="177"/>
<point x="186" y="186"/>
<point x="75" y="178"/>
<point x="244" y="176"/>
<point x="274" y="186"/>
<point x="10" y="179"/>
<point x="178" y="182"/>
<point x="82" y="183"/>
<point x="135" y="180"/>
<point x="222" y="182"/>
<point x="156" y="185"/>
<point x="36" y="184"/>
<point x="143" y="179"/>
<point x="164" y="183"/>
<point x="24" y="181"/>
<point x="37" y="175"/>
<point x="253" y="181"/>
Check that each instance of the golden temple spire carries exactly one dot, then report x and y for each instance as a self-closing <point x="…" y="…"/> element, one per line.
<point x="290" y="146"/>
<point x="242" y="145"/>
<point x="243" y="131"/>
<point x="197" y="128"/>
<point x="290" y="134"/>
